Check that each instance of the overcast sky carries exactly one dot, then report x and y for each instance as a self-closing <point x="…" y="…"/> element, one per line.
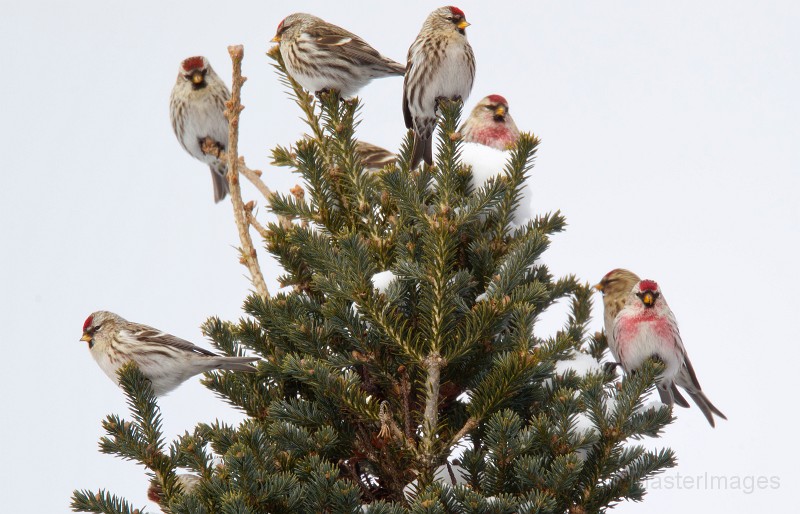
<point x="669" y="140"/>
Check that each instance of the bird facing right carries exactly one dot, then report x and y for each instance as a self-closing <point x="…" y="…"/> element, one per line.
<point x="646" y="328"/>
<point x="167" y="361"/>
<point x="197" y="112"/>
<point x="321" y="56"/>
<point x="440" y="65"/>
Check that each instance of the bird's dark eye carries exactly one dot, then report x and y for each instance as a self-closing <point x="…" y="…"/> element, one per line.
<point x="95" y="328"/>
<point x="489" y="108"/>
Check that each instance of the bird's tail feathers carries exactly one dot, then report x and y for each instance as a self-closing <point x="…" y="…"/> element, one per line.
<point x="706" y="406"/>
<point x="218" y="172"/>
<point x="679" y="399"/>
<point x="422" y="150"/>
<point x="237" y="363"/>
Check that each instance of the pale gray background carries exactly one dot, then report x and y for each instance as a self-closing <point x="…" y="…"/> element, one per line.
<point x="670" y="141"/>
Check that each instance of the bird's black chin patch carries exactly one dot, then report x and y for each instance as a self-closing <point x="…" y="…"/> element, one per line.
<point x="499" y="119"/>
<point x="90" y="342"/>
<point x="201" y="85"/>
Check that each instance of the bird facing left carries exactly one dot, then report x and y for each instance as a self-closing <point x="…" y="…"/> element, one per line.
<point x="322" y="56"/>
<point x="197" y="112"/>
<point x="167" y="361"/>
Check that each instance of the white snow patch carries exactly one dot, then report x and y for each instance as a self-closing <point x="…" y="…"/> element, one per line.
<point x="582" y="363"/>
<point x="655" y="405"/>
<point x="488" y="162"/>
<point x="381" y="281"/>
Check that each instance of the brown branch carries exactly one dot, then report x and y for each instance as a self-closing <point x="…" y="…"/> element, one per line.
<point x="232" y="111"/>
<point x="430" y="421"/>
<point x="211" y="147"/>
<point x="470" y="425"/>
<point x="252" y="221"/>
<point x="405" y="391"/>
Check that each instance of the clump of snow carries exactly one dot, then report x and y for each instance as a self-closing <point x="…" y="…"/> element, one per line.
<point x="655" y="405"/>
<point x="581" y="362"/>
<point x="381" y="281"/>
<point x="488" y="162"/>
<point x="583" y="423"/>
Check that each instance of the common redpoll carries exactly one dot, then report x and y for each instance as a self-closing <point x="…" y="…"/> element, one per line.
<point x="645" y="328"/>
<point x="616" y="286"/>
<point x="166" y="360"/>
<point x="490" y="124"/>
<point x="374" y="158"/>
<point x="440" y="65"/>
<point x="488" y="136"/>
<point x="321" y="56"/>
<point x="197" y="111"/>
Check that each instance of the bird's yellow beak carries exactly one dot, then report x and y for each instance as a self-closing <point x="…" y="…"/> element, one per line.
<point x="599" y="287"/>
<point x="86" y="337"/>
<point x="648" y="299"/>
<point x="276" y="39"/>
<point x="197" y="77"/>
<point x="463" y="24"/>
<point x="500" y="112"/>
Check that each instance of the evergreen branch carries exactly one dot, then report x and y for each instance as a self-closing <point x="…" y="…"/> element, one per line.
<point x="482" y="202"/>
<point x="232" y="111"/>
<point x="102" y="502"/>
<point x="430" y="419"/>
<point x="516" y="171"/>
<point x="142" y="402"/>
<point x="513" y="269"/>
<point x="302" y="98"/>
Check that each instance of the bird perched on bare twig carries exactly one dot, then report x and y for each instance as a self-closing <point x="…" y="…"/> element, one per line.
<point x="197" y="112"/>
<point x="167" y="361"/>
<point x="322" y="56"/>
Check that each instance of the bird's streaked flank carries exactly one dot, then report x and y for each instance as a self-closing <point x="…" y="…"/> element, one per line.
<point x="167" y="361"/>
<point x="197" y="112"/>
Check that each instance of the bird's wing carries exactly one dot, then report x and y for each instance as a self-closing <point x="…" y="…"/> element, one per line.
<point x="406" y="110"/>
<point x="152" y="335"/>
<point x="373" y="156"/>
<point x="351" y="46"/>
<point x="686" y="367"/>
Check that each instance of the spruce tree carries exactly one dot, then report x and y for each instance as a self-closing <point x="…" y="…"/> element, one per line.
<point x="435" y="394"/>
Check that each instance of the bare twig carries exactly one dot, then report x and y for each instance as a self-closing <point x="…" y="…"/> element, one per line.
<point x="234" y="108"/>
<point x="470" y="425"/>
<point x="251" y="219"/>
<point x="211" y="147"/>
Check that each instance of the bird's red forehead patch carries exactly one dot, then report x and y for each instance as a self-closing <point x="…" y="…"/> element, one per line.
<point x="648" y="285"/>
<point x="497" y="99"/>
<point x="87" y="323"/>
<point x="193" y="63"/>
<point x="457" y="12"/>
<point x="280" y="26"/>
